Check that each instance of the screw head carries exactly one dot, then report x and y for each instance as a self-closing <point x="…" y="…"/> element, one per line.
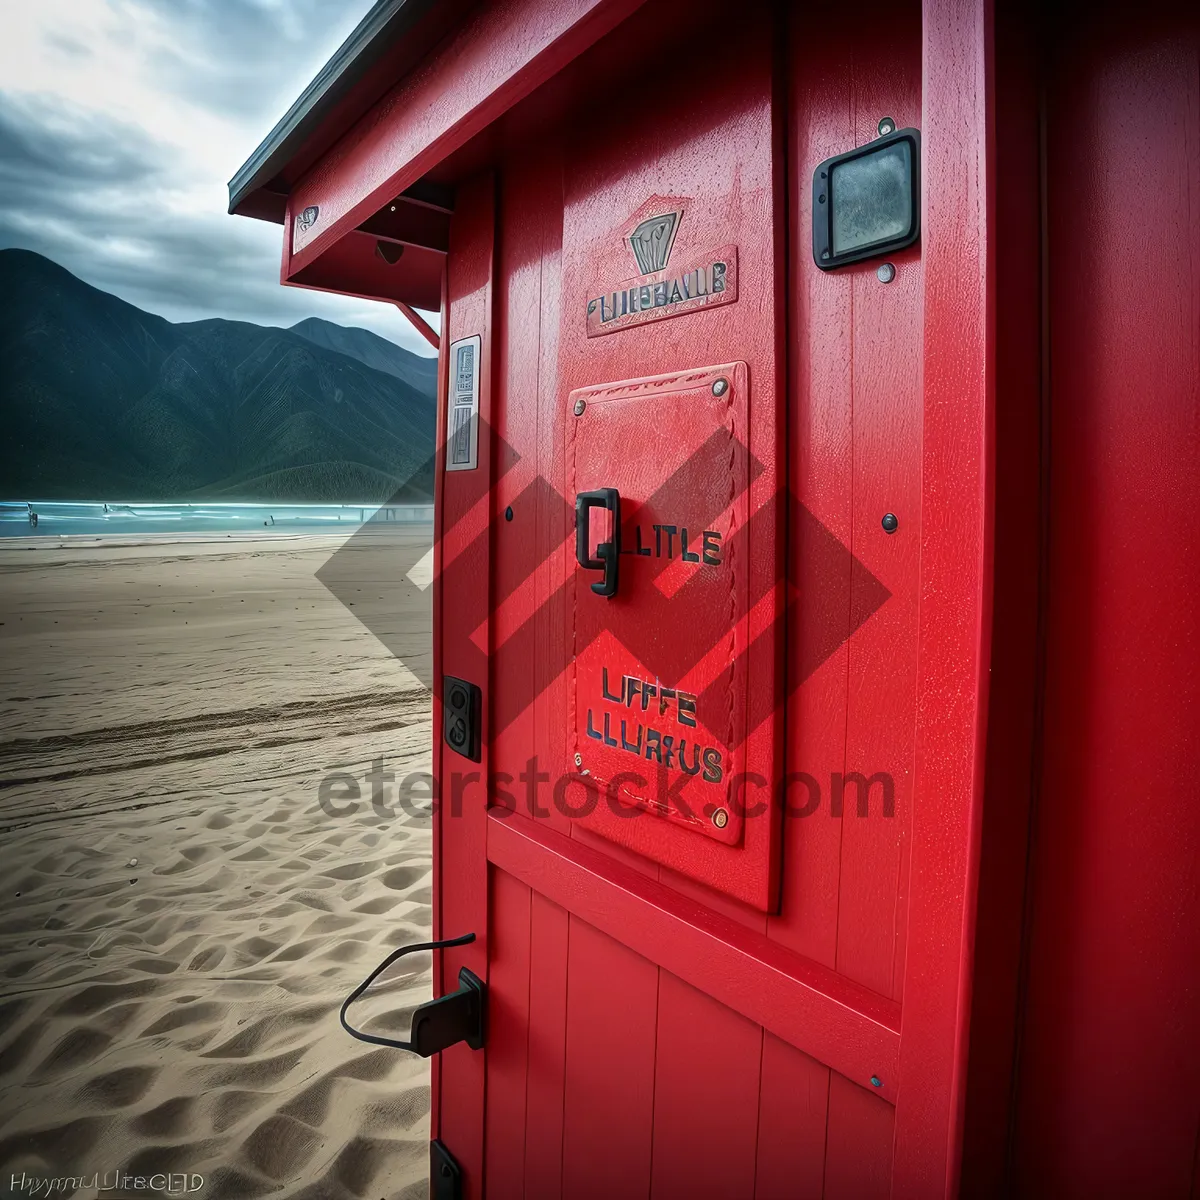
<point x="508" y="513"/>
<point x="720" y="818"/>
<point x="889" y="523"/>
<point x="885" y="272"/>
<point x="886" y="125"/>
<point x="720" y="387"/>
<point x="876" y="1081"/>
<point x="580" y="405"/>
<point x="579" y="760"/>
<point x="824" y="253"/>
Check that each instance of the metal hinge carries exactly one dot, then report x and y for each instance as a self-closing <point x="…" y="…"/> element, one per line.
<point x="445" y="1175"/>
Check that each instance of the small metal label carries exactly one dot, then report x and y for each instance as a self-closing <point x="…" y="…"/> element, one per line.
<point x="662" y="291"/>
<point x="303" y="225"/>
<point x="462" y="405"/>
<point x="705" y="283"/>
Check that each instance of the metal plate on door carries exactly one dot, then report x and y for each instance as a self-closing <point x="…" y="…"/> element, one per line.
<point x="660" y="676"/>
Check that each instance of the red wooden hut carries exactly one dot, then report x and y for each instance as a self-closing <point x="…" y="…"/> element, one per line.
<point x="817" y="642"/>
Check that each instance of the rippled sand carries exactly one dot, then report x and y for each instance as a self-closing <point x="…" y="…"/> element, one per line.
<point x="179" y="919"/>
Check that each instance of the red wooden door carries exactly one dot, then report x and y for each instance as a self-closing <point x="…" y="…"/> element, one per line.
<point x="753" y="987"/>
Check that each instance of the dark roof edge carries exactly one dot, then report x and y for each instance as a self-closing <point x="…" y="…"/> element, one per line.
<point x="375" y="34"/>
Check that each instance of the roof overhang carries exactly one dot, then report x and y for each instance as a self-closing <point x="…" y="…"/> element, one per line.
<point x="352" y="80"/>
<point x="360" y="171"/>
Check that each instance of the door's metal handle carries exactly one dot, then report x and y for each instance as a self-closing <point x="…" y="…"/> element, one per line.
<point x="457" y="1017"/>
<point x="607" y="553"/>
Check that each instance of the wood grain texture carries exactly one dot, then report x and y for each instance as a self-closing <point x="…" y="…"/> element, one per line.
<point x="463" y="549"/>
<point x="831" y="1018"/>
<point x="955" y="620"/>
<point x="608" y="1101"/>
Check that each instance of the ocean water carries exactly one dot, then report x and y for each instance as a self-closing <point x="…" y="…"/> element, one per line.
<point x="85" y="519"/>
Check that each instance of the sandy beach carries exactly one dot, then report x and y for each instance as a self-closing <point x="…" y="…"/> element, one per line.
<point x="179" y="918"/>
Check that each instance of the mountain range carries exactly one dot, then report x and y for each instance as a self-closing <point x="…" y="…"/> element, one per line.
<point x="102" y="401"/>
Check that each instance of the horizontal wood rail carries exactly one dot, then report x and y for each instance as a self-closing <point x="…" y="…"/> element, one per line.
<point x="848" y="1028"/>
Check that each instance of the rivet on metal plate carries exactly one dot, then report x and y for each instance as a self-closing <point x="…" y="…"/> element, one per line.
<point x="580" y="405"/>
<point x="886" y="126"/>
<point x="885" y="272"/>
<point x="720" y="387"/>
<point x="720" y="818"/>
<point x="579" y="760"/>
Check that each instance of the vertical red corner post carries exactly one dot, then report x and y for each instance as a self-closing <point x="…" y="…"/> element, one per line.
<point x="955" y="605"/>
<point x="462" y="542"/>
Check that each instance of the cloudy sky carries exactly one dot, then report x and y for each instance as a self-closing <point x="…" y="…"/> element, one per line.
<point x="121" y="123"/>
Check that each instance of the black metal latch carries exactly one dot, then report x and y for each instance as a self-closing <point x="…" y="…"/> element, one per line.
<point x="608" y="552"/>
<point x="445" y="1175"/>
<point x="457" y="1017"/>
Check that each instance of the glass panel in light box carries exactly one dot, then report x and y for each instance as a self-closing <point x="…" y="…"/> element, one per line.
<point x="872" y="197"/>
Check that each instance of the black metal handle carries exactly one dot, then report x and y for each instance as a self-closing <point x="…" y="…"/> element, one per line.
<point x="607" y="553"/>
<point x="457" y="1017"/>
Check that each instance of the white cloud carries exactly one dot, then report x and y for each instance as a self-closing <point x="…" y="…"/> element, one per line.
<point x="151" y="106"/>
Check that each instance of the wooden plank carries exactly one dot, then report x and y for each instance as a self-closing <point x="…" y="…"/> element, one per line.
<point x="507" y="1035"/>
<point x="549" y="933"/>
<point x="885" y="472"/>
<point x="858" y="1154"/>
<point x="516" y="550"/>
<point x="436" y="757"/>
<point x="955" y="621"/>
<point x="792" y="1112"/>
<point x="608" y="1101"/>
<point x="461" y="838"/>
<point x="836" y="1021"/>
<point x="548" y="947"/>
<point x="555" y="519"/>
<point x="705" y="1097"/>
<point x="819" y="477"/>
<point x="1020" y="468"/>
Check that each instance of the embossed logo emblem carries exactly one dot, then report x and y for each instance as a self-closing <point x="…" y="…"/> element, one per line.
<point x="652" y="240"/>
<point x="656" y="293"/>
